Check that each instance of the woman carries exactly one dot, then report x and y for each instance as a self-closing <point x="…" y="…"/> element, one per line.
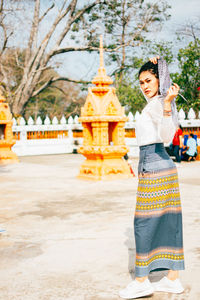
<point x="158" y="216"/>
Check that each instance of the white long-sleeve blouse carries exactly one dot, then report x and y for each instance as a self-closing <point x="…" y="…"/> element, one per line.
<point x="152" y="127"/>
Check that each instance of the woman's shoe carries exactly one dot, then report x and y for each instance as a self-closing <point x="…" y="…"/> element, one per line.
<point x="169" y="286"/>
<point x="137" y="289"/>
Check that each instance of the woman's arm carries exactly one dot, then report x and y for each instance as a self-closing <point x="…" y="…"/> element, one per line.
<point x="171" y="94"/>
<point x="166" y="126"/>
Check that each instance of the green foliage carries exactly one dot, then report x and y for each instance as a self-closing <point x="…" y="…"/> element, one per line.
<point x="189" y="77"/>
<point x="161" y="48"/>
<point x="62" y="98"/>
<point x="130" y="95"/>
<point x="126" y="24"/>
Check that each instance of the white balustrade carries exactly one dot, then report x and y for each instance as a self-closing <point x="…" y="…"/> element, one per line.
<point x="22" y="121"/>
<point x="137" y="114"/>
<point x="70" y="120"/>
<point x="63" y="120"/>
<point x="47" y="121"/>
<point x="191" y="114"/>
<point x="30" y="121"/>
<point x="39" y="121"/>
<point x="181" y="114"/>
<point x="130" y="117"/>
<point x="55" y="121"/>
<point x="76" y="120"/>
<point x="64" y="143"/>
<point x="14" y="121"/>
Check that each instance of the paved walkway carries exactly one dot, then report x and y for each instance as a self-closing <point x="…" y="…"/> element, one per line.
<point x="72" y="239"/>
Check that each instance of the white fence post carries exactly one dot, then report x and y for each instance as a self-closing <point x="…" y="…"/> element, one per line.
<point x="70" y="132"/>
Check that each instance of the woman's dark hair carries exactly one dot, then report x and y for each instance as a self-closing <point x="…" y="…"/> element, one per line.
<point x="192" y="135"/>
<point x="150" y="67"/>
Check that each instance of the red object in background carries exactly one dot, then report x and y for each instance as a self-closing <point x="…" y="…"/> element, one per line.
<point x="198" y="89"/>
<point x="131" y="169"/>
<point x="176" y="140"/>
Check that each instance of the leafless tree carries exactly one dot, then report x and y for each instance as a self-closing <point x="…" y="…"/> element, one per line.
<point x="38" y="55"/>
<point x="68" y="17"/>
<point x="190" y="30"/>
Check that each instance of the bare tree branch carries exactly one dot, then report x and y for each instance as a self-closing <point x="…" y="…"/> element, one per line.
<point x="32" y="43"/>
<point x="38" y="57"/>
<point x="54" y="79"/>
<point x="46" y="12"/>
<point x="90" y="48"/>
<point x="72" y="49"/>
<point x="67" y="28"/>
<point x="1" y="6"/>
<point x="7" y="87"/>
<point x="64" y="93"/>
<point x="6" y="37"/>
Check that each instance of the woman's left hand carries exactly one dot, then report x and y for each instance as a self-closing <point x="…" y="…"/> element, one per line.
<point x="172" y="92"/>
<point x="154" y="60"/>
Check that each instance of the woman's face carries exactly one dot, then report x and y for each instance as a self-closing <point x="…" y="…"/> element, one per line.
<point x="149" y="84"/>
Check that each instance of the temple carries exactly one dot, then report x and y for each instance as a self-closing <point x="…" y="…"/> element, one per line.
<point x="103" y="120"/>
<point x="6" y="135"/>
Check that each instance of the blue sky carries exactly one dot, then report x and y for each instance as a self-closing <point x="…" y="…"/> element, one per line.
<point x="86" y="65"/>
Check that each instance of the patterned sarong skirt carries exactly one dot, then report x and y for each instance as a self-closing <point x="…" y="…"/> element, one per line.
<point x="158" y="215"/>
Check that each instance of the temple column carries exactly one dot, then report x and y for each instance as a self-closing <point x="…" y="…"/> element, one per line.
<point x="104" y="134"/>
<point x="87" y="135"/>
<point x="96" y="131"/>
<point x="118" y="134"/>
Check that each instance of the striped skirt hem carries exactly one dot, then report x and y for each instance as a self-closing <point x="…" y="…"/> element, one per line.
<point x="158" y="223"/>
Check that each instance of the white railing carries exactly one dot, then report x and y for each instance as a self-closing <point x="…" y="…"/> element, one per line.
<point x="62" y="136"/>
<point x="48" y="137"/>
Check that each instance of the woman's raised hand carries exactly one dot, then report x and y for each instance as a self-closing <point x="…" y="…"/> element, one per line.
<point x="172" y="92"/>
<point x="154" y="60"/>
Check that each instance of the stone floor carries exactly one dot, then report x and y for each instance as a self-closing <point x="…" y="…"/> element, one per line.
<point x="72" y="239"/>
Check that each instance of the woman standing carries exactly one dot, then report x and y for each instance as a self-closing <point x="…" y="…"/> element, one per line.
<point x="158" y="216"/>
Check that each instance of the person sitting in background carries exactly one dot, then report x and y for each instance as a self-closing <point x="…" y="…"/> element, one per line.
<point x="190" y="152"/>
<point x="178" y="143"/>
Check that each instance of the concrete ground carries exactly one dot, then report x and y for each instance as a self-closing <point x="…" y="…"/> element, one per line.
<point x="72" y="239"/>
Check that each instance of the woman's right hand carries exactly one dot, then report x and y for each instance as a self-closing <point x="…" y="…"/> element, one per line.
<point x="154" y="60"/>
<point x="172" y="92"/>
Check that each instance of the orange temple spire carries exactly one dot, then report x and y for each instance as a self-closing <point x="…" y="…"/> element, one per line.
<point x="103" y="121"/>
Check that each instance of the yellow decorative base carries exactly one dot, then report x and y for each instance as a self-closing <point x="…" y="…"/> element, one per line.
<point x="106" y="169"/>
<point x="7" y="156"/>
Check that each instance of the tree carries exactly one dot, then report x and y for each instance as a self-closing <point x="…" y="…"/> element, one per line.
<point x="189" y="76"/>
<point x="130" y="96"/>
<point x="190" y="30"/>
<point x="6" y="32"/>
<point x="39" y="54"/>
<point x="127" y="23"/>
<point x="61" y="98"/>
<point x="78" y="23"/>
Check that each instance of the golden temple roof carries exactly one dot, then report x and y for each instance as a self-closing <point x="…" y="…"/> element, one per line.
<point x="102" y="79"/>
